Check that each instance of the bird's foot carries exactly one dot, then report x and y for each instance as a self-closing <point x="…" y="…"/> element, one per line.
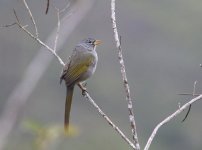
<point x="84" y="91"/>
<point x="83" y="88"/>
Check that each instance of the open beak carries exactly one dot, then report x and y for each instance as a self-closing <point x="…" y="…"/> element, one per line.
<point x="97" y="42"/>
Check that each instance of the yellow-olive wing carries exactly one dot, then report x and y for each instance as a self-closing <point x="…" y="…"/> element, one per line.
<point x="76" y="69"/>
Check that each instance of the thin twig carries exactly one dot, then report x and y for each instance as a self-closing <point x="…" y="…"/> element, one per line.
<point x="8" y="25"/>
<point x="169" y="119"/>
<point x="18" y="21"/>
<point x="58" y="29"/>
<point x="87" y="96"/>
<point x="187" y="113"/>
<point x="193" y="93"/>
<point x="125" y="81"/>
<point x="99" y="110"/>
<point x="47" y="6"/>
<point x="58" y="23"/>
<point x="189" y="94"/>
<point x="37" y="39"/>
<point x="32" y="18"/>
<point x="65" y="8"/>
<point x="194" y="88"/>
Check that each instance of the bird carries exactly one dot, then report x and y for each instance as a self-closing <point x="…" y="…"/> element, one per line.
<point x="81" y="66"/>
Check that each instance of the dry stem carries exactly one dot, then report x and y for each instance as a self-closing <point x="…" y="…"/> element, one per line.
<point x="37" y="39"/>
<point x="125" y="80"/>
<point x="32" y="18"/>
<point x="99" y="110"/>
<point x="166" y="120"/>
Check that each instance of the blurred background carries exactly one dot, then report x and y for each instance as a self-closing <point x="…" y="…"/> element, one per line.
<point x="161" y="42"/>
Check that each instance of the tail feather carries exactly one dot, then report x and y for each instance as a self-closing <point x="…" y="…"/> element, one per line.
<point x="68" y="103"/>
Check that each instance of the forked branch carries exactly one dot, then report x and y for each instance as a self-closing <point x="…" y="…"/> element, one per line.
<point x="166" y="120"/>
<point x="37" y="39"/>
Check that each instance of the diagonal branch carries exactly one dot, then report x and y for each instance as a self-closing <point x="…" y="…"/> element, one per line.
<point x="32" y="18"/>
<point x="8" y="25"/>
<point x="99" y="110"/>
<point x="125" y="80"/>
<point x="177" y="112"/>
<point x="58" y="29"/>
<point x="47" y="6"/>
<point x="189" y="109"/>
<point x="58" y="24"/>
<point x="37" y="39"/>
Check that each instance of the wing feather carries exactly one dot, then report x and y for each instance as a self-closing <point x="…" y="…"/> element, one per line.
<point x="76" y="70"/>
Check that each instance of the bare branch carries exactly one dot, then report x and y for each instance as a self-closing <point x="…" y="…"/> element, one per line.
<point x="47" y="6"/>
<point x="58" y="23"/>
<point x="37" y="39"/>
<point x="8" y="25"/>
<point x="18" y="21"/>
<point x="169" y="119"/>
<point x="193" y="94"/>
<point x="32" y="18"/>
<point x="58" y="29"/>
<point x="125" y="80"/>
<point x="186" y="114"/>
<point x="194" y="88"/>
<point x="189" y="94"/>
<point x="65" y="8"/>
<point x="99" y="110"/>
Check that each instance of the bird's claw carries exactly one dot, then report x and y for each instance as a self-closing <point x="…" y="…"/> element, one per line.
<point x="84" y="84"/>
<point x="83" y="88"/>
<point x="84" y="91"/>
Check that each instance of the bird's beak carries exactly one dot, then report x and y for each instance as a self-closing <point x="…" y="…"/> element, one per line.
<point x="97" y="42"/>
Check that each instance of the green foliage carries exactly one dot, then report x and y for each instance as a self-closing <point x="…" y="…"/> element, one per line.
<point x="45" y="136"/>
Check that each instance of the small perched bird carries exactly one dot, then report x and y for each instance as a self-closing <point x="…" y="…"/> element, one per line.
<point x="81" y="66"/>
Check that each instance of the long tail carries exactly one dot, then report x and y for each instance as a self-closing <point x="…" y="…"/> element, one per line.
<point x="68" y="103"/>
